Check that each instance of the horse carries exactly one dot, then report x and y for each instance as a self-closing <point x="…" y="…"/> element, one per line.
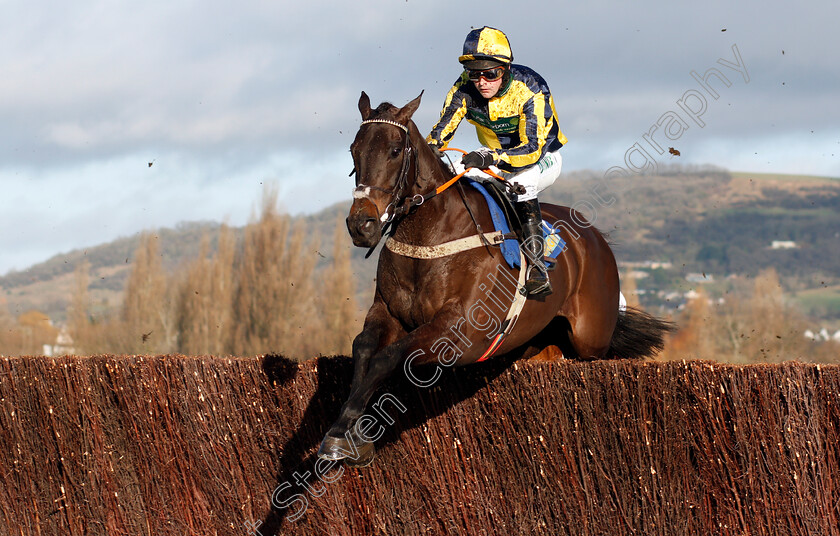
<point x="439" y="309"/>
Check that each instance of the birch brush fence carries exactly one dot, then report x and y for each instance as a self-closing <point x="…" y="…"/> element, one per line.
<point x="153" y="445"/>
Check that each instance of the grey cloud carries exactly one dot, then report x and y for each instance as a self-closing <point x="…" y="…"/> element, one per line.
<point x="222" y="93"/>
<point x="104" y="81"/>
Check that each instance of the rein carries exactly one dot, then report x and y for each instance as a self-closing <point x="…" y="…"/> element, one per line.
<point x="363" y="190"/>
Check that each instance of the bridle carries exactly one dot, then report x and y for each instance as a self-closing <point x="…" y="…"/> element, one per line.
<point x="363" y="190"/>
<point x="396" y="204"/>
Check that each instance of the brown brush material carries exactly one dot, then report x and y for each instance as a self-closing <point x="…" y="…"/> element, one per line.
<point x="198" y="445"/>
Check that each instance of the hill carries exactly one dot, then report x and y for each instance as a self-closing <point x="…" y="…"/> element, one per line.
<point x="48" y="286"/>
<point x="686" y="228"/>
<point x="664" y="229"/>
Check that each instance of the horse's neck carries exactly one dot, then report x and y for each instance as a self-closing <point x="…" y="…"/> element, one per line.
<point x="438" y="220"/>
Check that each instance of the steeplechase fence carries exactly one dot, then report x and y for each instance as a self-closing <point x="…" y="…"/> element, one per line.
<point x="164" y="445"/>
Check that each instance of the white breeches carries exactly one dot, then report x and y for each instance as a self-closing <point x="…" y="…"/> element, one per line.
<point x="535" y="179"/>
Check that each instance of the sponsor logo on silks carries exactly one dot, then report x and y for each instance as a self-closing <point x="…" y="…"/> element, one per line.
<point x="551" y="242"/>
<point x="554" y="244"/>
<point x="545" y="162"/>
<point x="503" y="125"/>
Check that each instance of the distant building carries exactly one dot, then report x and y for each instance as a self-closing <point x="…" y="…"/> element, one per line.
<point x="782" y="244"/>
<point x="63" y="345"/>
<point x="694" y="277"/>
<point x="822" y="335"/>
<point x="653" y="265"/>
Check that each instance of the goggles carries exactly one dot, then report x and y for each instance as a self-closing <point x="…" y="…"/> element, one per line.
<point x="488" y="74"/>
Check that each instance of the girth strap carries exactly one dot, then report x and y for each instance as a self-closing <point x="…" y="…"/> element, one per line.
<point x="513" y="313"/>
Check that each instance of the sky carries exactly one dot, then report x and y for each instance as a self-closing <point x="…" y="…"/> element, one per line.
<point x="222" y="98"/>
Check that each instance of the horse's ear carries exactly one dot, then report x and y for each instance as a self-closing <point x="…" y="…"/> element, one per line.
<point x="364" y="105"/>
<point x="408" y="110"/>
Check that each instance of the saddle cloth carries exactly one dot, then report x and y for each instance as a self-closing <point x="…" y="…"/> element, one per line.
<point x="554" y="243"/>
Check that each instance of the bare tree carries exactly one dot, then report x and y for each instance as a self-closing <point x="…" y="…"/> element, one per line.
<point x="147" y="313"/>
<point x="205" y="305"/>
<point x="274" y="307"/>
<point x="337" y="297"/>
<point x="79" y="324"/>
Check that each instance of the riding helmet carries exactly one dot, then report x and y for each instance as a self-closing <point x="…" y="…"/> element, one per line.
<point x="486" y="48"/>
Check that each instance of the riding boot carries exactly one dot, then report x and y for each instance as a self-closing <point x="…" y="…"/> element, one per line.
<point x="533" y="246"/>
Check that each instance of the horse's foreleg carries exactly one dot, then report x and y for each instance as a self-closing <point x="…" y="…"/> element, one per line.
<point x="380" y="329"/>
<point x="342" y="440"/>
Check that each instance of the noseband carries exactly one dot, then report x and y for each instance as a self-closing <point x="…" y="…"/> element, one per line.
<point x="363" y="190"/>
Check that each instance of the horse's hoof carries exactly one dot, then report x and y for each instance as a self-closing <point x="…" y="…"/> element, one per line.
<point x="367" y="452"/>
<point x="356" y="454"/>
<point x="334" y="448"/>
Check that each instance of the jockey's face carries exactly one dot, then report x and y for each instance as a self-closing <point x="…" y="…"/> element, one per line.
<point x="487" y="88"/>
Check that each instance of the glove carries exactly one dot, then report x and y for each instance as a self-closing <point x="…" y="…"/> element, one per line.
<point x="482" y="158"/>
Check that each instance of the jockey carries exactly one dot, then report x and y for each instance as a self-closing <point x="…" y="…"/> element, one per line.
<point x="513" y="113"/>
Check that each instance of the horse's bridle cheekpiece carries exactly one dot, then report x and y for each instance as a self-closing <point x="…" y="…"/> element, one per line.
<point x="363" y="190"/>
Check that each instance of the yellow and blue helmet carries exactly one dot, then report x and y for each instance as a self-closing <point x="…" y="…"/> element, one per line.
<point x="486" y="48"/>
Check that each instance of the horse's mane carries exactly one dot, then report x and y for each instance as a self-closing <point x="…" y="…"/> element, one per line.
<point x="387" y="109"/>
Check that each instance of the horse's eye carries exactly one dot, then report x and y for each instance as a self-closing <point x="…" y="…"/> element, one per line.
<point x="395" y="152"/>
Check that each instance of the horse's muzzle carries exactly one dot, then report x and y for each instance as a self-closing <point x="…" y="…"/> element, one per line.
<point x="363" y="224"/>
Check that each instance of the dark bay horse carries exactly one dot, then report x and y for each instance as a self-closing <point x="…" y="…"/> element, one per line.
<point x="449" y="309"/>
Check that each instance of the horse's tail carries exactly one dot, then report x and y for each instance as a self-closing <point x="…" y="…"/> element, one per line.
<point x="638" y="334"/>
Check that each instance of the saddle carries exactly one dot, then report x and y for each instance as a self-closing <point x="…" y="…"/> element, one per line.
<point x="506" y="221"/>
<point x="497" y="192"/>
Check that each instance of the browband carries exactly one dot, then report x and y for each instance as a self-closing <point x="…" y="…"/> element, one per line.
<point x="387" y="121"/>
